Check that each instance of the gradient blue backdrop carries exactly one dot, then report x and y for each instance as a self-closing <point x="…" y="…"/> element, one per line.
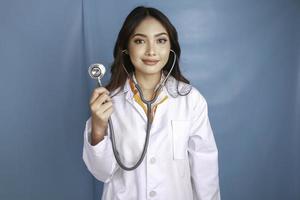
<point x="244" y="56"/>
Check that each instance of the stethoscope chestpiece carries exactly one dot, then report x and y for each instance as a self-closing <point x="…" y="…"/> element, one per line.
<point x="96" y="70"/>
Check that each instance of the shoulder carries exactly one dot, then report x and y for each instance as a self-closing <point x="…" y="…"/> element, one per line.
<point x="121" y="90"/>
<point x="197" y="102"/>
<point x="177" y="88"/>
<point x="196" y="95"/>
<point x="117" y="92"/>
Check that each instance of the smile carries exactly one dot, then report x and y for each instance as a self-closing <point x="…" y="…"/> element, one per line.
<point x="150" y="62"/>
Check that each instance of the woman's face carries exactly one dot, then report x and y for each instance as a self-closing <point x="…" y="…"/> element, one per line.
<point x="149" y="47"/>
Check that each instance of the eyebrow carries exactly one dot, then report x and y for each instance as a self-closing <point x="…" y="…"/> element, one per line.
<point x="143" y="35"/>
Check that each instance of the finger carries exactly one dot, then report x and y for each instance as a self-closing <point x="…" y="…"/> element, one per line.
<point x="104" y="107"/>
<point x="97" y="92"/>
<point x="102" y="99"/>
<point x="96" y="105"/>
<point x="108" y="112"/>
<point x="101" y="90"/>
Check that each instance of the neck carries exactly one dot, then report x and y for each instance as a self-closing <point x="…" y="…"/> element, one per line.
<point x="148" y="82"/>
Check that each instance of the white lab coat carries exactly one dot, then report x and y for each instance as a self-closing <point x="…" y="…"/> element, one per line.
<point x="182" y="158"/>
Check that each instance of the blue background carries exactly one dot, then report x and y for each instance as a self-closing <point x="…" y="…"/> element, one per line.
<point x="244" y="57"/>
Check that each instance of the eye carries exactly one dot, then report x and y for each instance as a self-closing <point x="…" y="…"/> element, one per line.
<point x="162" y="40"/>
<point x="139" y="41"/>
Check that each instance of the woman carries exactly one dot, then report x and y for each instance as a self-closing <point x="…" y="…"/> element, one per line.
<point x="182" y="157"/>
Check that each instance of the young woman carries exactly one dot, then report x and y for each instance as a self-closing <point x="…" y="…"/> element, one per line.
<point x="182" y="158"/>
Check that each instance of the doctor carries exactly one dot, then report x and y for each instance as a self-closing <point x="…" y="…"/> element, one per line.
<point x="182" y="157"/>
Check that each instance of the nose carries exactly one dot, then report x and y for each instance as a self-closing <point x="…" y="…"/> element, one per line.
<point x="150" y="50"/>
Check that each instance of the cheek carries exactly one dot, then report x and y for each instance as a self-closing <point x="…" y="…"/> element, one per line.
<point x="134" y="57"/>
<point x="135" y="54"/>
<point x="165" y="54"/>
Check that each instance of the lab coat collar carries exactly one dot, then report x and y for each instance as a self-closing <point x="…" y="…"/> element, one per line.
<point x="129" y="93"/>
<point x="172" y="87"/>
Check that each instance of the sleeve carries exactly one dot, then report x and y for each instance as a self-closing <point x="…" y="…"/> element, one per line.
<point x="99" y="159"/>
<point x="203" y="153"/>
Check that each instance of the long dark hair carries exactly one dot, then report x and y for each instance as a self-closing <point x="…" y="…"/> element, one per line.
<point x="135" y="17"/>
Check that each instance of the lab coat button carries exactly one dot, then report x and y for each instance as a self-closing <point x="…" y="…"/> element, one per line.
<point x="152" y="193"/>
<point x="152" y="160"/>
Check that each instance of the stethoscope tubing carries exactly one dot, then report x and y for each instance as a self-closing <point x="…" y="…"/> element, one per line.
<point x="149" y="123"/>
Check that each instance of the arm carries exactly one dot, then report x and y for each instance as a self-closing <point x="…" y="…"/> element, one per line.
<point x="99" y="159"/>
<point x="203" y="154"/>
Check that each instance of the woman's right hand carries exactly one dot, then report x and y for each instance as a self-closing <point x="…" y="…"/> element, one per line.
<point x="101" y="109"/>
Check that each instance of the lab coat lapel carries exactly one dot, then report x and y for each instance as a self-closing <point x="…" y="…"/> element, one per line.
<point x="158" y="120"/>
<point x="129" y="98"/>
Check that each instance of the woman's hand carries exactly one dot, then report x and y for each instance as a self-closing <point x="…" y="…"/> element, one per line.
<point x="101" y="109"/>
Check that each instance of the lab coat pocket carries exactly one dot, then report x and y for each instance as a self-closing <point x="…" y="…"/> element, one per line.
<point x="180" y="135"/>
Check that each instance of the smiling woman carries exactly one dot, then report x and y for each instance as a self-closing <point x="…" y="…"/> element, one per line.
<point x="147" y="86"/>
<point x="149" y="49"/>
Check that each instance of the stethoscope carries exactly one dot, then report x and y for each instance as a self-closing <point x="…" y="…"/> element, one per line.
<point x="97" y="71"/>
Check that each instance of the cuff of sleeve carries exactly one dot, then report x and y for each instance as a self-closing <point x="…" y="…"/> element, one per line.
<point x="98" y="148"/>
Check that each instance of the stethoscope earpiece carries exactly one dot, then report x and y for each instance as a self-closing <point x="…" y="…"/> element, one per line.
<point x="125" y="51"/>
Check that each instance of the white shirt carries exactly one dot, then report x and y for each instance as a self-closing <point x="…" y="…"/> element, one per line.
<point x="182" y="158"/>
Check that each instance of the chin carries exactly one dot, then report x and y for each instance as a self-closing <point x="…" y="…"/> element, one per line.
<point x="149" y="72"/>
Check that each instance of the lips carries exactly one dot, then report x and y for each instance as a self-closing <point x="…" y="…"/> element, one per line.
<point x="150" y="62"/>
